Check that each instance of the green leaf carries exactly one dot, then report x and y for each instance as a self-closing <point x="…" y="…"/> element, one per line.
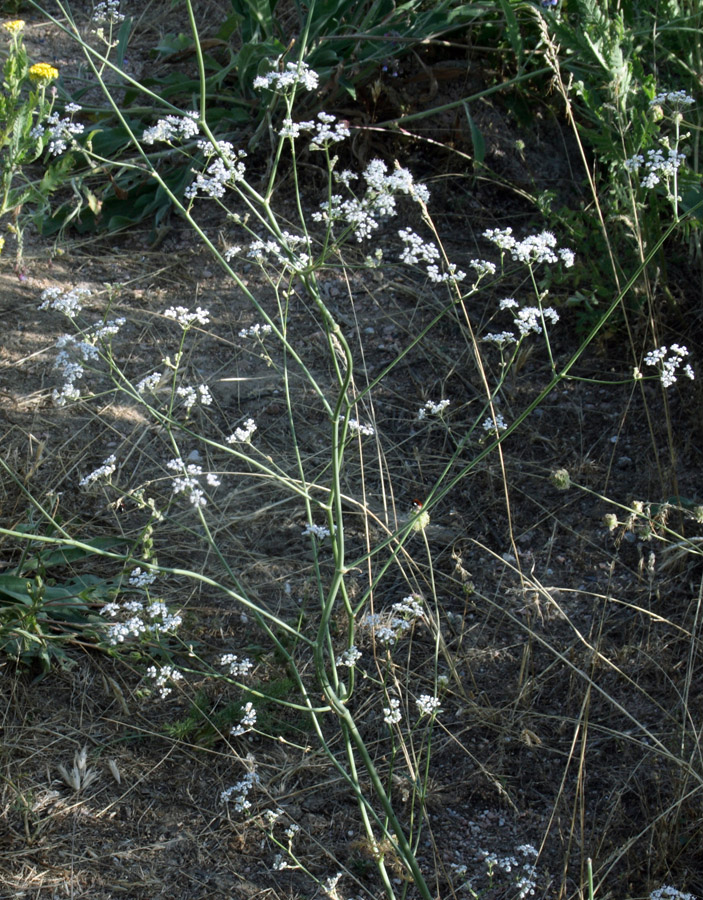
<point x="123" y="40"/>
<point x="477" y="140"/>
<point x="12" y="587"/>
<point x="57" y="174"/>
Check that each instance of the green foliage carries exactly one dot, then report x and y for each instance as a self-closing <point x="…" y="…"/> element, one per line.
<point x="346" y="43"/>
<point x="24" y="107"/>
<point x="45" y="609"/>
<point x="205" y="722"/>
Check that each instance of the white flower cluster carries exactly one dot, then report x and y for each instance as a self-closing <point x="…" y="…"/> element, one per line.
<point x="283" y="252"/>
<point x="232" y="251"/>
<point x="349" y="657"/>
<point x="110" y="328"/>
<point x="240" y="792"/>
<point x="502" y="338"/>
<point x="325" y="134"/>
<point x="318" y="531"/>
<point x="357" y="427"/>
<point x="103" y="471"/>
<point x="391" y="713"/>
<point x="530" y="318"/>
<point x="416" y="249"/>
<point x="108" y="12"/>
<point x="138" y="578"/>
<point x="257" y="331"/>
<point x="494" y="427"/>
<point x="243" y="434"/>
<point x="431" y="408"/>
<point x="428" y="705"/>
<point x="329" y="886"/>
<point x="526" y="873"/>
<point x="150" y="382"/>
<point x="73" y="352"/>
<point x="389" y="627"/>
<point x="143" y="617"/>
<point x="191" y="395"/>
<point x="247" y="721"/>
<point x="240" y="668"/>
<point x="674" y="98"/>
<point x="70" y="350"/>
<point x="363" y="215"/>
<point x="60" y="131"/>
<point x="162" y="677"/>
<point x="451" y="276"/>
<point x="658" y="164"/>
<point x="292" y="831"/>
<point x="667" y="892"/>
<point x="286" y="79"/>
<point x="482" y="267"/>
<point x="532" y="250"/>
<point x="185" y="317"/>
<point x="187" y="482"/>
<point x="172" y="128"/>
<point x="668" y="367"/>
<point x="226" y="169"/>
<point x="70" y="303"/>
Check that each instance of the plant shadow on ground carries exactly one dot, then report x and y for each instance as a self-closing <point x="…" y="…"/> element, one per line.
<point x="576" y="674"/>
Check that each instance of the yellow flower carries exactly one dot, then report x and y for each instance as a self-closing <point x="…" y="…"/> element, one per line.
<point x="14" y="26"/>
<point x="43" y="73"/>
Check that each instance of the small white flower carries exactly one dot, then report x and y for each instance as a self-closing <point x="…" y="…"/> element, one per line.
<point x="428" y="705"/>
<point x="150" y="382"/>
<point x="247" y="721"/>
<point x="349" y="657"/>
<point x="433" y="409"/>
<point x="107" y="13"/>
<point x="451" y="276"/>
<point x="482" y="267"/>
<point x="675" y="98"/>
<point x="291" y="831"/>
<point x="162" y="677"/>
<point x="257" y="331"/>
<point x="494" y="427"/>
<point x="502" y="338"/>
<point x="391" y="713"/>
<point x="318" y="531"/>
<point x="243" y="435"/>
<point x="172" y="128"/>
<point x="185" y="317"/>
<point x="326" y="135"/>
<point x="70" y="303"/>
<point x="357" y="427"/>
<point x="237" y="667"/>
<point x="103" y="471"/>
<point x="138" y="578"/>
<point x="416" y="250"/>
<point x="286" y="79"/>
<point x="240" y="792"/>
<point x="668" y="366"/>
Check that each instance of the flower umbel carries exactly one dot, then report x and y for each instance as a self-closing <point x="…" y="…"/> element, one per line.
<point x="14" y="27"/>
<point x="43" y="73"/>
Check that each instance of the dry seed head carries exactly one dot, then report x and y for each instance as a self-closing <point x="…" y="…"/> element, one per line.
<point x="80" y="776"/>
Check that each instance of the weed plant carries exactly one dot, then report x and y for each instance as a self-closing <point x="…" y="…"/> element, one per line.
<point x="360" y="661"/>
